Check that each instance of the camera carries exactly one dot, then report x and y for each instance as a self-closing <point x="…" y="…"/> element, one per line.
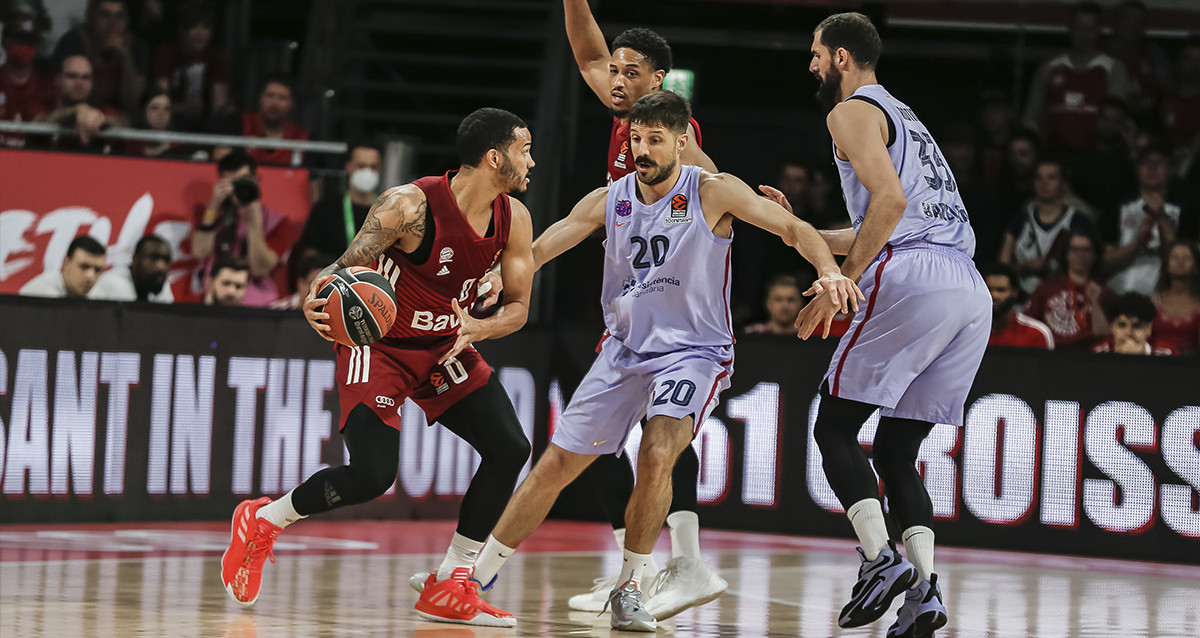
<point x="245" y="190"/>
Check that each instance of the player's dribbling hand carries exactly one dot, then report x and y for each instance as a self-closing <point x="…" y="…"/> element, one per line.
<point x="843" y="292"/>
<point x="777" y="196"/>
<point x="469" y="331"/>
<point x="489" y="289"/>
<point x="312" y="302"/>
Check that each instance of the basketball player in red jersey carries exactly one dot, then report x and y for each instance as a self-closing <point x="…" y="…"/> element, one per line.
<point x="639" y="61"/>
<point x="434" y="239"/>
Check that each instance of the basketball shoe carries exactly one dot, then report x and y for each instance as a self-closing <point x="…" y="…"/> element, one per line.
<point x="628" y="614"/>
<point x="922" y="612"/>
<point x="456" y="600"/>
<point x="250" y="544"/>
<point x="684" y="582"/>
<point x="879" y="581"/>
<point x="597" y="598"/>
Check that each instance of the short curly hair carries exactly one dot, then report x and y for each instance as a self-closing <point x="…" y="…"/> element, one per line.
<point x="649" y="44"/>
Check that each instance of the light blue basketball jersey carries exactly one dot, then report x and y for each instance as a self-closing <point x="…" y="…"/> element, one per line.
<point x="935" y="212"/>
<point x="666" y="275"/>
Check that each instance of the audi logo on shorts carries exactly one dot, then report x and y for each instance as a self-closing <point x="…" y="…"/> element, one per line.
<point x="385" y="402"/>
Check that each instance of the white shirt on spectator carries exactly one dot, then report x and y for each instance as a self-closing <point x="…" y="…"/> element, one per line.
<point x="1142" y="274"/>
<point x="117" y="285"/>
<point x="48" y="284"/>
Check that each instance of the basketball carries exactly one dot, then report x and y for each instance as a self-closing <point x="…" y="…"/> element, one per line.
<point x="361" y="305"/>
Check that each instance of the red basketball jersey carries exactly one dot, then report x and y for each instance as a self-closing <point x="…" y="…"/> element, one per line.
<point x="1073" y="98"/>
<point x="459" y="258"/>
<point x="620" y="161"/>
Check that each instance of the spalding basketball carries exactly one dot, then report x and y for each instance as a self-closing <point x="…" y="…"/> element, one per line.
<point x="361" y="305"/>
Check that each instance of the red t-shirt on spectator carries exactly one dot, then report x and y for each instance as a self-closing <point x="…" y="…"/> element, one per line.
<point x="252" y="126"/>
<point x="23" y="102"/>
<point x="1157" y="350"/>
<point x="190" y="76"/>
<point x="1067" y="310"/>
<point x="1181" y="334"/>
<point x="1073" y="98"/>
<point x="1023" y="332"/>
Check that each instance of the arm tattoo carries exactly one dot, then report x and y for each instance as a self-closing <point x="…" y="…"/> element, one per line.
<point x="376" y="236"/>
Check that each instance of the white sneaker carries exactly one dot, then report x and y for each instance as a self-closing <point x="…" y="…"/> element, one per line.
<point x="683" y="583"/>
<point x="417" y="581"/>
<point x="595" y="600"/>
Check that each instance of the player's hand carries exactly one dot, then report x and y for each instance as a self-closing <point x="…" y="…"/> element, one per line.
<point x="821" y="310"/>
<point x="489" y="289"/>
<point x="312" y="302"/>
<point x="843" y="292"/>
<point x="470" y="330"/>
<point x="777" y="196"/>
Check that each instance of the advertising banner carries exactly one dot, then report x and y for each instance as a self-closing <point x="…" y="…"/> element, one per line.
<point x="135" y="412"/>
<point x="48" y="199"/>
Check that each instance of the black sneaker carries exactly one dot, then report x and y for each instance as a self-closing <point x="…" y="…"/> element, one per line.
<point x="879" y="581"/>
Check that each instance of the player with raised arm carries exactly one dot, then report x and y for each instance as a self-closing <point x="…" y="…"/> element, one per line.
<point x="436" y="240"/>
<point x="636" y="66"/>
<point x="913" y="353"/>
<point x="669" y="352"/>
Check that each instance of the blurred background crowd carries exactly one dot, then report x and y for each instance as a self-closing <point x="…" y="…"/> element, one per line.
<point x="1072" y="130"/>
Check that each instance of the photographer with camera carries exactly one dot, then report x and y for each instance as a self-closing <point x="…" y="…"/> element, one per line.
<point x="235" y="223"/>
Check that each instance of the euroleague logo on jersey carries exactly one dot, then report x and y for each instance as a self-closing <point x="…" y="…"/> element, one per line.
<point x="438" y="381"/>
<point x="679" y="210"/>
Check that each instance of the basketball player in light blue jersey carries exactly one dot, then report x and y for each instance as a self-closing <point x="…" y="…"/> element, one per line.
<point x="670" y="353"/>
<point x="914" y="351"/>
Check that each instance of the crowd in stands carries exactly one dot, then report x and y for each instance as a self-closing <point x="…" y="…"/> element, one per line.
<point x="1085" y="202"/>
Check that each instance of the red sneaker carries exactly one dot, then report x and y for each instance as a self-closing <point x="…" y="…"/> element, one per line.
<point x="250" y="545"/>
<point x="457" y="600"/>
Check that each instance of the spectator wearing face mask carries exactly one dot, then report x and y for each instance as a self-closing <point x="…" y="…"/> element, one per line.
<point x="78" y="274"/>
<point x="336" y="218"/>
<point x="145" y="279"/>
<point x="25" y="92"/>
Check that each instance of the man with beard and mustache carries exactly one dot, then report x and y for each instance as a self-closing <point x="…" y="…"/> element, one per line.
<point x="227" y="283"/>
<point x="914" y="352"/>
<point x="435" y="239"/>
<point x="1011" y="327"/>
<point x="639" y="61"/>
<point x="273" y="120"/>
<point x="669" y="348"/>
<point x="144" y="280"/>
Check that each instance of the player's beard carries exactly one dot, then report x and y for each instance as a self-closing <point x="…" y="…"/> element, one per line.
<point x="827" y="92"/>
<point x="513" y="179"/>
<point x="654" y="178"/>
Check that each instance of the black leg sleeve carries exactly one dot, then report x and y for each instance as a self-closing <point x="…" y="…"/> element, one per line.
<point x="487" y="421"/>
<point x="897" y="442"/>
<point x="683" y="481"/>
<point x="374" y="458"/>
<point x="845" y="462"/>
<point x="612" y="481"/>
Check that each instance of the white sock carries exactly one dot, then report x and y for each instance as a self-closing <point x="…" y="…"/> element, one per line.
<point x="280" y="512"/>
<point x="462" y="553"/>
<point x="491" y="559"/>
<point x="685" y="534"/>
<point x="867" y="518"/>
<point x="918" y="541"/>
<point x="634" y="568"/>
<point x="619" y="534"/>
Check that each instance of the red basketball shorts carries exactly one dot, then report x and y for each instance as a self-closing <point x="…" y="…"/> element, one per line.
<point x="381" y="377"/>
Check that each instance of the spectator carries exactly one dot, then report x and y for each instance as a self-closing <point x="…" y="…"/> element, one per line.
<point x="824" y="202"/>
<point x="273" y="120"/>
<point x="310" y="266"/>
<point x="1011" y="327"/>
<point x="1132" y="316"/>
<point x="1142" y="227"/>
<point x="1021" y="154"/>
<point x="782" y="304"/>
<point x="1144" y="60"/>
<point x="227" y="282"/>
<point x="236" y="223"/>
<point x="997" y="125"/>
<point x="793" y="182"/>
<point x="156" y="116"/>
<point x="25" y="92"/>
<point x="73" y="108"/>
<point x="1067" y="90"/>
<point x="78" y="274"/>
<point x="192" y="69"/>
<point x="1181" y="106"/>
<point x="1106" y="175"/>
<point x="335" y="219"/>
<point x="120" y="60"/>
<point x="1177" y="296"/>
<point x="1033" y="233"/>
<point x="144" y="279"/>
<point x="1073" y="303"/>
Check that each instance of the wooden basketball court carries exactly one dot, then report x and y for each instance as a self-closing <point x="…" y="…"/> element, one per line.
<point x="351" y="579"/>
